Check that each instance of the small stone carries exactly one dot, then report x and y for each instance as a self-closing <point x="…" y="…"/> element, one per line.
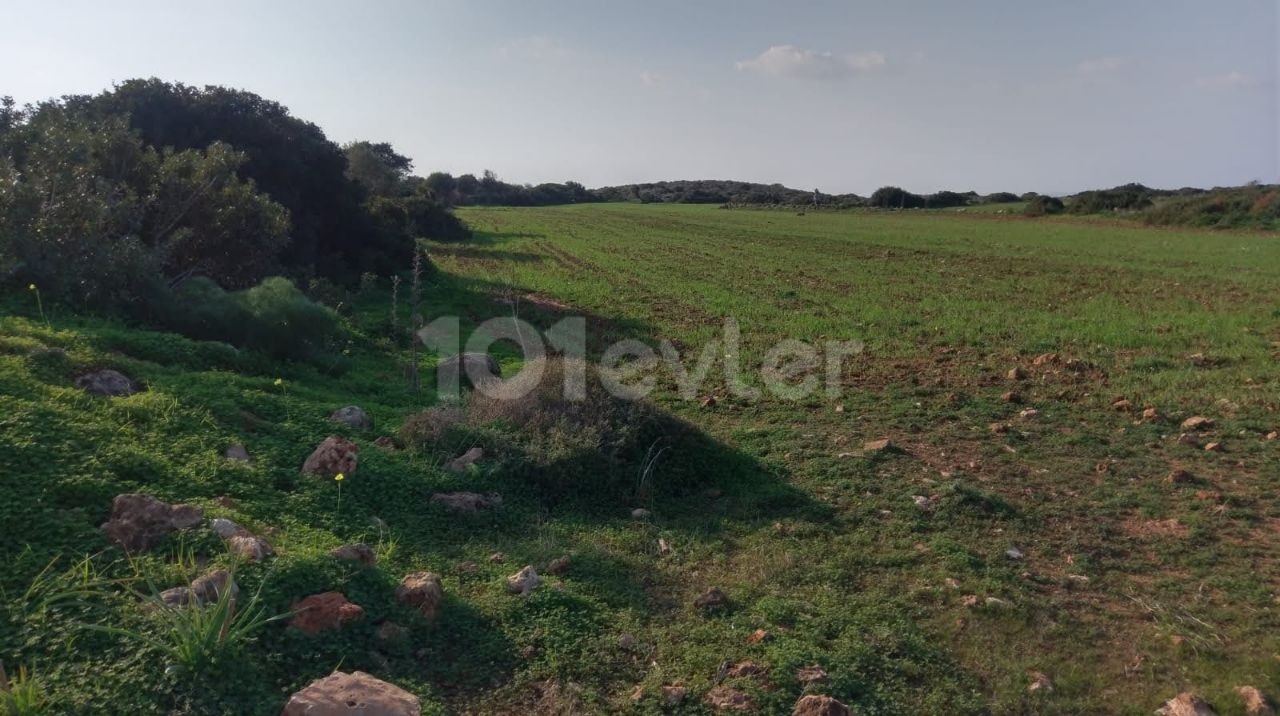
<point x="745" y="670"/>
<point x="1016" y="373"/>
<point x="811" y="674"/>
<point x="209" y="588"/>
<point x="999" y="428"/>
<point x="1029" y="413"/>
<point x="997" y="603"/>
<point x="1273" y="435"/>
<point x="1011" y="396"/>
<point x="559" y="565"/>
<point x="524" y="581"/>
<point x="1045" y="359"/>
<point x="713" y="598"/>
<point x="334" y="455"/>
<point x="1040" y="683"/>
<point x="626" y="642"/>
<point x="463" y="462"/>
<point x="1150" y="414"/>
<point x="724" y="698"/>
<point x="925" y="504"/>
<point x="225" y="528"/>
<point x="358" y="552"/>
<point x="466" y="567"/>
<point x="107" y="383"/>
<point x="815" y="705"/>
<point x="879" y="446"/>
<point x="467" y="501"/>
<point x="1014" y="553"/>
<point x="970" y="600"/>
<point x="640" y="513"/>
<point x="951" y="583"/>
<point x="473" y="367"/>
<point x="391" y="634"/>
<point x="758" y="636"/>
<point x="139" y="522"/>
<point x="251" y="548"/>
<point x="1180" y="477"/>
<point x="1188" y="439"/>
<point x="1214" y="447"/>
<point x="386" y="442"/>
<point x="237" y="453"/>
<point x="709" y="401"/>
<point x="323" y="612"/>
<point x="352" y="416"/>
<point x="664" y="547"/>
<point x="673" y="695"/>
<point x="1186" y="704"/>
<point x="178" y="597"/>
<point x="497" y="557"/>
<point x="1256" y="703"/>
<point x="354" y="694"/>
<point x="421" y="591"/>
<point x="1122" y="405"/>
<point x="1197" y="422"/>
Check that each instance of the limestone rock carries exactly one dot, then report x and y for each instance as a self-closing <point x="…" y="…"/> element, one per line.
<point x="724" y="698"/>
<point x="354" y="694"/>
<point x="324" y="611"/>
<point x="352" y="416"/>
<point x="1197" y="422"/>
<point x="1186" y="704"/>
<point x="524" y="581"/>
<point x="815" y="705"/>
<point x="422" y="591"/>
<point x="138" y="522"/>
<point x="333" y="456"/>
<point x="1256" y="703"/>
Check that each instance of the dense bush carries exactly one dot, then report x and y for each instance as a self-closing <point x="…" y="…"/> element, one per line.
<point x="1129" y="197"/>
<point x="892" y="197"/>
<point x="1039" y="205"/>
<point x="1000" y="197"/>
<point x="1255" y="207"/>
<point x="273" y="317"/>
<point x="948" y="199"/>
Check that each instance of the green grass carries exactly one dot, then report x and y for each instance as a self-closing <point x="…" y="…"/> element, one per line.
<point x="828" y="553"/>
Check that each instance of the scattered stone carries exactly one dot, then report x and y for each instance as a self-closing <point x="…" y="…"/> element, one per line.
<point x="713" y="598"/>
<point x="951" y="583"/>
<point x="815" y="705"/>
<point x="524" y="581"/>
<point x="210" y="587"/>
<point x="1029" y="413"/>
<point x="970" y="600"/>
<point x="1011" y="396"/>
<point x="924" y="503"/>
<point x="745" y="670"/>
<point x="640" y="513"/>
<point x="1040" y="684"/>
<point x="390" y="634"/>
<point x="709" y="401"/>
<point x="1045" y="359"/>
<point x="460" y="464"/>
<point x="1197" y="422"/>
<point x="1188" y="439"/>
<point x="1150" y="414"/>
<point x="1014" y="553"/>
<point x="997" y="603"/>
<point x="467" y="501"/>
<point x="1214" y="447"/>
<point x="466" y="567"/>
<point x="559" y="565"/>
<point x="1273" y="435"/>
<point x="333" y="456"/>
<point x="1016" y="373"/>
<point x="1199" y="360"/>
<point x="354" y="694"/>
<point x="664" y="547"/>
<point x="497" y="557"/>
<point x="237" y="452"/>
<point x="106" y="382"/>
<point x="474" y="367"/>
<point x="999" y="428"/>
<point x="251" y="548"/>
<point x="352" y="416"/>
<point x="386" y="442"/>
<point x="324" y="611"/>
<point x="811" y="674"/>
<point x="758" y="636"/>
<point x="178" y="597"/>
<point x="138" y="522"/>
<point x="1122" y="405"/>
<point x="225" y="528"/>
<point x="357" y="552"/>
<point x="626" y="642"/>
<point x="724" y="698"/>
<point x="1180" y="477"/>
<point x="673" y="695"/>
<point x="1256" y="703"/>
<point x="879" y="446"/>
<point x="1186" y="704"/>
<point x="422" y="591"/>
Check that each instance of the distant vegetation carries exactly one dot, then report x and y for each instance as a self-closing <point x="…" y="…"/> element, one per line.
<point x="1254" y="207"/>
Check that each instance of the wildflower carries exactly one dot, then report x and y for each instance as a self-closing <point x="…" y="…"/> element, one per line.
<point x="279" y="382"/>
<point x="31" y="287"/>
<point x="339" y="477"/>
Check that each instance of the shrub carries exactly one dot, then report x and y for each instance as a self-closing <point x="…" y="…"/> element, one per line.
<point x="1039" y="205"/>
<point x="1129" y="197"/>
<point x="431" y="426"/>
<point x="1255" y="207"/>
<point x="892" y="197"/>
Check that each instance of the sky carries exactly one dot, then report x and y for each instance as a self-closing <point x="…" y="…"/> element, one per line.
<point x="839" y="96"/>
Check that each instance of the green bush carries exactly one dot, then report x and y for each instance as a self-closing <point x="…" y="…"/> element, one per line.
<point x="273" y="317"/>
<point x="1039" y="205"/>
<point x="1256" y="207"/>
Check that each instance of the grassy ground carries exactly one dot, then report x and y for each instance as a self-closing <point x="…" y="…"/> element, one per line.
<point x="1130" y="588"/>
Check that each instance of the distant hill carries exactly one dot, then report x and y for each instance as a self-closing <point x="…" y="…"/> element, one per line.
<point x="720" y="191"/>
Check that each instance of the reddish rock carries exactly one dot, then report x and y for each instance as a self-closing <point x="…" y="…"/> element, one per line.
<point x="1122" y="405"/>
<point x="745" y="670"/>
<point x="758" y="636"/>
<point x="1256" y="703"/>
<point x="422" y="591"/>
<point x="1214" y="447"/>
<point x="811" y="674"/>
<point x="883" y="445"/>
<point x="1150" y="414"/>
<point x="814" y="705"/>
<point x="1273" y="435"/>
<point x="333" y="456"/>
<point x="1045" y="359"/>
<point x="1197" y="422"/>
<point x="354" y="694"/>
<point x="1016" y="373"/>
<point x="1012" y="396"/>
<point x="1186" y="704"/>
<point x="322" y="612"/>
<point x="138" y="522"/>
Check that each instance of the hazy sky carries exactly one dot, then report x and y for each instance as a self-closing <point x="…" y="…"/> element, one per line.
<point x="842" y="96"/>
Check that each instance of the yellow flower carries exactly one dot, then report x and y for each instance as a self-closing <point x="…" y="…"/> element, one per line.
<point x="31" y="287"/>
<point x="279" y="381"/>
<point x="339" y="477"/>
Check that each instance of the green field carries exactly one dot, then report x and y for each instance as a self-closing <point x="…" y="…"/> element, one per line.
<point x="1129" y="588"/>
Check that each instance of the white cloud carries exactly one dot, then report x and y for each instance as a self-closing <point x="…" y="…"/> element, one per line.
<point x="1101" y="64"/>
<point x="649" y="79"/>
<point x="1230" y="80"/>
<point x="538" y="48"/>
<point x="792" y="61"/>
